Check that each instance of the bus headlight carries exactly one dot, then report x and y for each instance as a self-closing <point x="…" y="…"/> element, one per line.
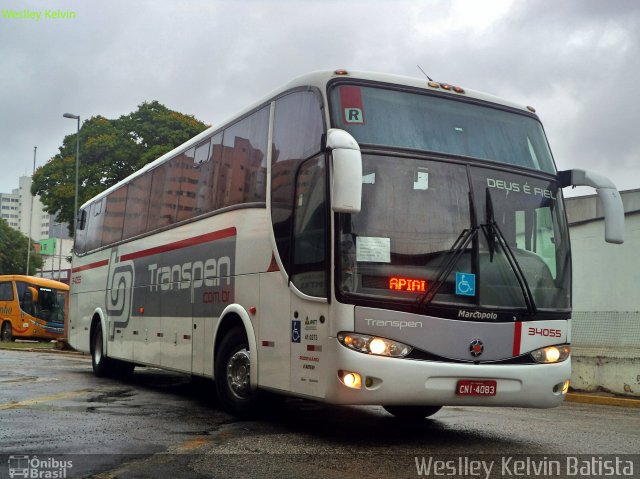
<point x="363" y="343"/>
<point x="551" y="354"/>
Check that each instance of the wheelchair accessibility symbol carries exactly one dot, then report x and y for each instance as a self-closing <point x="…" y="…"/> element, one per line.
<point x="295" y="331"/>
<point x="465" y="284"/>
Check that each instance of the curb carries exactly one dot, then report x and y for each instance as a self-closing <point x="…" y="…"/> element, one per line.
<point x="602" y="400"/>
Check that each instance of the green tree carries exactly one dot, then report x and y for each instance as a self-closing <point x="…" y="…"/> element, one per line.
<point x="110" y="150"/>
<point x="13" y="252"/>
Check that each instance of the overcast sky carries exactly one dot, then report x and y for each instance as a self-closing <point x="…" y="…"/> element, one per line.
<point x="577" y="62"/>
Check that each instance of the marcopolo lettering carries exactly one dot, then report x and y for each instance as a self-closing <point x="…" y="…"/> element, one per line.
<point x="476" y="314"/>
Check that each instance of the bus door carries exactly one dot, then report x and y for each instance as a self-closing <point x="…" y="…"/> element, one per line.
<point x="309" y="279"/>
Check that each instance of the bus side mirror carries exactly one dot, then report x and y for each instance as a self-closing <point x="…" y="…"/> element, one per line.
<point x="33" y="293"/>
<point x="609" y="197"/>
<point x="346" y="190"/>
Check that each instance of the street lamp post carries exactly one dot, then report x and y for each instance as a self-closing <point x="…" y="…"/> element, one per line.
<point x="31" y="212"/>
<point x="75" y="199"/>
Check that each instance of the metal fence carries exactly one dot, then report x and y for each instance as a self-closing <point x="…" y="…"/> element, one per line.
<point x="609" y="334"/>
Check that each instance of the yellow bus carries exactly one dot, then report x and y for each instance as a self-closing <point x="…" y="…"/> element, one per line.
<point x="32" y="308"/>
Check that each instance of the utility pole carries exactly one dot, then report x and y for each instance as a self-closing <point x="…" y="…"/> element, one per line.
<point x="31" y="212"/>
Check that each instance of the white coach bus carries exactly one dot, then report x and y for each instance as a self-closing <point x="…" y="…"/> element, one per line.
<point x="352" y="238"/>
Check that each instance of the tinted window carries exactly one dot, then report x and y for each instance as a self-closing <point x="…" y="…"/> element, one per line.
<point x="27" y="296"/>
<point x="79" y="244"/>
<point x="207" y="175"/>
<point x="404" y="119"/>
<point x="298" y="126"/>
<point x="244" y="170"/>
<point x="135" y="221"/>
<point x="94" y="228"/>
<point x="297" y="134"/>
<point x="6" y="291"/>
<point x="308" y="271"/>
<point x="160" y="212"/>
<point x="188" y="178"/>
<point x="114" y="216"/>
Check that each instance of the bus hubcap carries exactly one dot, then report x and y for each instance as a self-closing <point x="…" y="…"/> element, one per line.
<point x="238" y="374"/>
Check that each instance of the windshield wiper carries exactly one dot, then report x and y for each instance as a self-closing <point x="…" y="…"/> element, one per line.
<point x="455" y="252"/>
<point x="492" y="232"/>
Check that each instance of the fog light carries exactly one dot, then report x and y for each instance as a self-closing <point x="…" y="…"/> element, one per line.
<point x="350" y="379"/>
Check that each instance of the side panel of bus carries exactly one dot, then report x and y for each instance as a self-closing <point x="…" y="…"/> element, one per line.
<point x="161" y="297"/>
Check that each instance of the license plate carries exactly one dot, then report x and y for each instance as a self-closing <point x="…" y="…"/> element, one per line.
<point x="468" y="387"/>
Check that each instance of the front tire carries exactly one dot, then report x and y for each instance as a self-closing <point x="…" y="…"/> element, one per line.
<point x="233" y="375"/>
<point x="412" y="412"/>
<point x="102" y="365"/>
<point x="6" y="335"/>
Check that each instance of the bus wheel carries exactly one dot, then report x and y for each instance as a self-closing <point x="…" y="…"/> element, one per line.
<point x="6" y="335"/>
<point x="233" y="374"/>
<point x="412" y="412"/>
<point x="102" y="365"/>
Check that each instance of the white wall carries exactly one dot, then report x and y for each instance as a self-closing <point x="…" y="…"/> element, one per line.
<point x="606" y="276"/>
<point x="606" y="300"/>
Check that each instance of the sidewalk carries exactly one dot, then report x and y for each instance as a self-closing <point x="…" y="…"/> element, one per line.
<point x="603" y="399"/>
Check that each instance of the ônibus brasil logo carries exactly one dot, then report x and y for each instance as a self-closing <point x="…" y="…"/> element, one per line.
<point x="36" y="468"/>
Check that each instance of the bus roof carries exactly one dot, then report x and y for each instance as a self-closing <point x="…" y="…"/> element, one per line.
<point x="318" y="79"/>
<point x="47" y="283"/>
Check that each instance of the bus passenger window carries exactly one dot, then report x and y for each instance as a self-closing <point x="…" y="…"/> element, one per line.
<point x="188" y="181"/>
<point x="160" y="212"/>
<point x="208" y="170"/>
<point x="135" y="221"/>
<point x="243" y="172"/>
<point x="114" y="216"/>
<point x="6" y="291"/>
<point x="94" y="232"/>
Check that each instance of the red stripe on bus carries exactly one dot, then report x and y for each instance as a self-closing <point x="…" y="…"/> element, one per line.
<point x="206" y="238"/>
<point x="97" y="264"/>
<point x="517" y="338"/>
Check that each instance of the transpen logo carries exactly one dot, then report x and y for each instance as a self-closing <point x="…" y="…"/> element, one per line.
<point x="119" y="286"/>
<point x="118" y="293"/>
<point x="400" y="324"/>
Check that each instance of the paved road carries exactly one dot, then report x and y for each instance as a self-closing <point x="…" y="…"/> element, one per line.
<point x="160" y="424"/>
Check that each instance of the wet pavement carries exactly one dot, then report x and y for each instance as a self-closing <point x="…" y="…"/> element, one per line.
<point x="162" y="424"/>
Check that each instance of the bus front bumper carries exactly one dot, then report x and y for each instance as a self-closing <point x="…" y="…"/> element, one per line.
<point x="395" y="381"/>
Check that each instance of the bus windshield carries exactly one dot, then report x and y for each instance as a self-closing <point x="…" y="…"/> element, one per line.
<point x="403" y="119"/>
<point x="416" y="214"/>
<point x="42" y="302"/>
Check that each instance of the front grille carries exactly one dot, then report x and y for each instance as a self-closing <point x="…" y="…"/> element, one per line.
<point x="420" y="355"/>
